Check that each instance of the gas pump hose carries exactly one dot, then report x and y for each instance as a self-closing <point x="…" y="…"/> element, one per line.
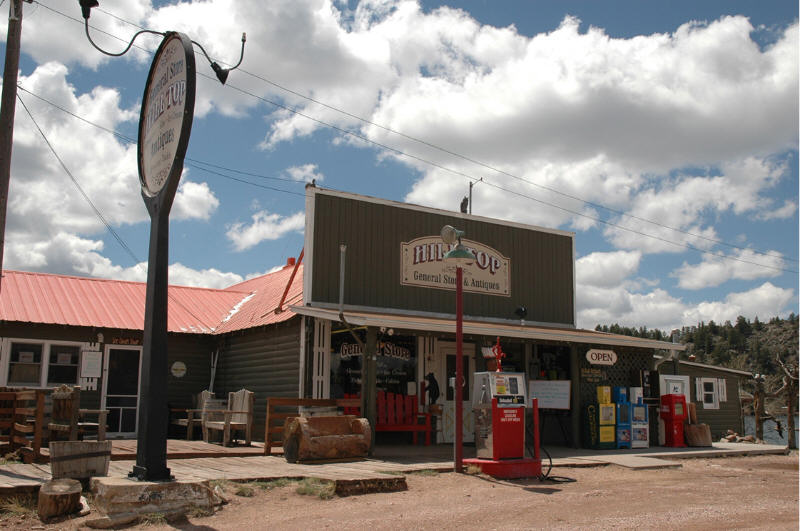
<point x="546" y="475"/>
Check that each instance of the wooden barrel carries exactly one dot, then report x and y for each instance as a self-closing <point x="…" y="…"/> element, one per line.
<point x="79" y="459"/>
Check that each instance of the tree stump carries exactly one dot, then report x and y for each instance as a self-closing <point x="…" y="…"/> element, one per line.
<point x="58" y="497"/>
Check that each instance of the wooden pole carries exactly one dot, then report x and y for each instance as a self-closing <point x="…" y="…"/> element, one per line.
<point x="8" y="105"/>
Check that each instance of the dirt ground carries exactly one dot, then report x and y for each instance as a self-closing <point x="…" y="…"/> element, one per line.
<point x="759" y="492"/>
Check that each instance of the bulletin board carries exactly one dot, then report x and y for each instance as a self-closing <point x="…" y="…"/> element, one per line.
<point x="552" y="394"/>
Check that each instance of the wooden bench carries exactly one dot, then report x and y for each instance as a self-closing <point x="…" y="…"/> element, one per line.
<point x="236" y="415"/>
<point x="192" y="418"/>
<point x="280" y="408"/>
<point x="401" y="413"/>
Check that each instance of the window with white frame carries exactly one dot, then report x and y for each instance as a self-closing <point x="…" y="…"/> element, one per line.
<point x="63" y="366"/>
<point x="708" y="392"/>
<point x="25" y="364"/>
<point x="41" y="364"/>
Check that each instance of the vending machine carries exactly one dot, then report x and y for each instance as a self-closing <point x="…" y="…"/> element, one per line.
<point x="498" y="403"/>
<point x="600" y="421"/>
<point x="673" y="413"/>
<point x="640" y="425"/>
<point x="620" y="394"/>
<point x="623" y="431"/>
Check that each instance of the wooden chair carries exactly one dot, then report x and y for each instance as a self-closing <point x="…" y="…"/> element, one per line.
<point x="7" y="399"/>
<point x="68" y="421"/>
<point x="98" y="427"/>
<point x="237" y="417"/>
<point x="63" y="423"/>
<point x="28" y="425"/>
<point x="192" y="418"/>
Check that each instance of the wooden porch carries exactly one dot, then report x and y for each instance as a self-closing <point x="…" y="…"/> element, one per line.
<point x="199" y="461"/>
<point x="125" y="450"/>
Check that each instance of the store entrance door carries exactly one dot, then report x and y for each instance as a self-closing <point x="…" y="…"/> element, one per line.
<point x="121" y="389"/>
<point x="446" y="365"/>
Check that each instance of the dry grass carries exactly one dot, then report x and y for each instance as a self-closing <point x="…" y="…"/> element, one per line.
<point x="152" y="519"/>
<point x="324" y="490"/>
<point x="17" y="506"/>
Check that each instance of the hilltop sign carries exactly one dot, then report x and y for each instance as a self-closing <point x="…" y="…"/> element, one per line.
<point x="422" y="264"/>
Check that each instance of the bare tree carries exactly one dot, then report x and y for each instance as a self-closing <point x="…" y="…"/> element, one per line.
<point x="789" y="391"/>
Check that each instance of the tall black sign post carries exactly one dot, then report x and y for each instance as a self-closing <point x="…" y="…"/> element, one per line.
<point x="164" y="127"/>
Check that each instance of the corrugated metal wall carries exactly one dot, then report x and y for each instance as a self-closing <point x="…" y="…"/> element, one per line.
<point x="541" y="262"/>
<point x="264" y="360"/>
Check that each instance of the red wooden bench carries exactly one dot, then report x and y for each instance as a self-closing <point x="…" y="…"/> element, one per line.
<point x="401" y="413"/>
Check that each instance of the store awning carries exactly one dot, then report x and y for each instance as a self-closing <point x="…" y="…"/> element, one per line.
<point x="448" y="326"/>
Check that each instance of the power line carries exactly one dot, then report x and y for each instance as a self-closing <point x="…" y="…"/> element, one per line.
<point x="399" y="152"/>
<point x="474" y="179"/>
<point x="136" y="262"/>
<point x="472" y="160"/>
<point x="198" y="164"/>
<point x="79" y="187"/>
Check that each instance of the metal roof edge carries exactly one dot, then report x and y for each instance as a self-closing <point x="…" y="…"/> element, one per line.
<point x="480" y="328"/>
<point x="712" y="367"/>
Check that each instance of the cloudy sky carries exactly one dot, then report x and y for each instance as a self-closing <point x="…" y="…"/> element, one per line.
<point x="664" y="134"/>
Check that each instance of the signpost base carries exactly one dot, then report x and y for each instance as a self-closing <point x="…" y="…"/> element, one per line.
<point x="142" y="473"/>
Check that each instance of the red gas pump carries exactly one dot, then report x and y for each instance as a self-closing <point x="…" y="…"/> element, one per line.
<point x="673" y="413"/>
<point x="498" y="402"/>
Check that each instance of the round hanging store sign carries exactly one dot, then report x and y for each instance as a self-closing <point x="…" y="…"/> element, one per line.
<point x="178" y="369"/>
<point x="165" y="121"/>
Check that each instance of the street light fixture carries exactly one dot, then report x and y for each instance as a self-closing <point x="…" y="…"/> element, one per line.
<point x="460" y="256"/>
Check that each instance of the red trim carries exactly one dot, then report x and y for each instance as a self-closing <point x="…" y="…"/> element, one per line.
<point x="299" y="261"/>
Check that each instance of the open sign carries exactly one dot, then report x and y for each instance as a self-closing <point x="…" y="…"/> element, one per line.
<point x="601" y="357"/>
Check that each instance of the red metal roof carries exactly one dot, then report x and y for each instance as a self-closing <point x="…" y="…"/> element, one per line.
<point x="68" y="300"/>
<point x="267" y="291"/>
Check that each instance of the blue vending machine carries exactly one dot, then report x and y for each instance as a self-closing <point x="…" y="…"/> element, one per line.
<point x="623" y="428"/>
<point x="640" y="425"/>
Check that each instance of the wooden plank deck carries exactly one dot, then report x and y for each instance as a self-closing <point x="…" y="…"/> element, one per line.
<point x="125" y="450"/>
<point x="368" y="475"/>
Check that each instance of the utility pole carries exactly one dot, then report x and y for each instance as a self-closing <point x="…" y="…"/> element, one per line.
<point x="7" y="109"/>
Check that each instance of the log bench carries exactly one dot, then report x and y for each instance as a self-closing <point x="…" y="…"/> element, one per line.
<point x="279" y="409"/>
<point x="329" y="437"/>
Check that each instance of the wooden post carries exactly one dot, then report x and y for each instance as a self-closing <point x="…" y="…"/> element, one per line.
<point x="791" y="397"/>
<point x="575" y="396"/>
<point x="758" y="408"/>
<point x="369" y="393"/>
<point x="7" y="110"/>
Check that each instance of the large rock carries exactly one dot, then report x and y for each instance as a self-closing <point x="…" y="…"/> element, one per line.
<point x="120" y="501"/>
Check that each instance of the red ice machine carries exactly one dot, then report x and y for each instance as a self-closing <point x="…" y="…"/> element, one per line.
<point x="673" y="413"/>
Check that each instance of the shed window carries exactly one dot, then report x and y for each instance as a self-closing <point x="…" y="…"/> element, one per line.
<point x="45" y="364"/>
<point x="707" y="392"/>
<point x="63" y="367"/>
<point x="25" y="364"/>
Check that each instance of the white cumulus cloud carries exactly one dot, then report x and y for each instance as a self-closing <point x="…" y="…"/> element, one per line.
<point x="264" y="226"/>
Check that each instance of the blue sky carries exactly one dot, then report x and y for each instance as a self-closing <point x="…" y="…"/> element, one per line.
<point x="677" y="121"/>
